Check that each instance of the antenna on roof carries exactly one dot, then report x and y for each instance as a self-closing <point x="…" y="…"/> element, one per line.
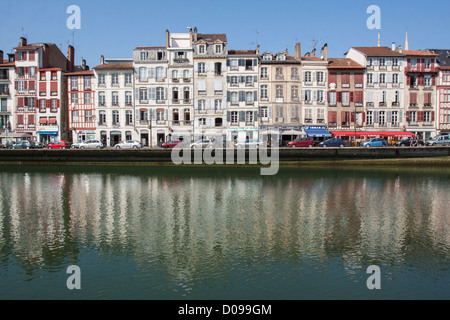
<point x="257" y="32"/>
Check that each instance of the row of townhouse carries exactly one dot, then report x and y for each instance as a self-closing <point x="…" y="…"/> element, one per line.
<point x="194" y="84"/>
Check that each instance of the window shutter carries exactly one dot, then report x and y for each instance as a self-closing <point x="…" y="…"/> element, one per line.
<point x="339" y="96"/>
<point x="241" y="116"/>
<point x="408" y="80"/>
<point x="255" y="96"/>
<point x="228" y="116"/>
<point x="432" y="115"/>
<point x="389" y="117"/>
<point x="407" y="116"/>
<point x="228" y="96"/>
<point x="351" y="96"/>
<point x="269" y="111"/>
<point x="241" y="96"/>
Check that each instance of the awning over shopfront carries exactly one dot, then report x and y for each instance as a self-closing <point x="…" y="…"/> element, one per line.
<point x="317" y="132"/>
<point x="373" y="134"/>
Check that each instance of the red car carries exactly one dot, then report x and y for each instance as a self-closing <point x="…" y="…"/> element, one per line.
<point x="170" y="144"/>
<point x="301" y="142"/>
<point x="59" y="145"/>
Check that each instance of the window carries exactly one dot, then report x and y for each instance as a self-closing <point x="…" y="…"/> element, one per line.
<point x="74" y="83"/>
<point x="114" y="79"/>
<point x="73" y="98"/>
<point x="395" y="78"/>
<point x="294" y="93"/>
<point x="320" y="77"/>
<point x="74" y="116"/>
<point x="320" y="96"/>
<point x="307" y="95"/>
<point x="382" y="78"/>
<point x="249" y="81"/>
<point x="128" y="117"/>
<point x="249" y="97"/>
<point x="249" y="117"/>
<point x="369" y="78"/>
<point x="202" y="105"/>
<point x="345" y="78"/>
<point x="218" y="68"/>
<point x="369" y="120"/>
<point x="201" y="49"/>
<point x="234" y="64"/>
<point x="279" y="92"/>
<point x="413" y="116"/>
<point x="101" y="79"/>
<point x="234" y="98"/>
<point x="128" y="98"/>
<point x="294" y="113"/>
<point x="218" y="48"/>
<point x="382" y="61"/>
<point x="394" y="120"/>
<point x="185" y="74"/>
<point x="128" y="79"/>
<point x="87" y="83"/>
<point x="382" y="120"/>
<point x="427" y="81"/>
<point x="332" y="98"/>
<point x="201" y="68"/>
<point x="427" y="64"/>
<point x="294" y="73"/>
<point x="234" y="117"/>
<point x="88" y="116"/>
<point x="395" y="62"/>
<point x="217" y="104"/>
<point x="202" y="121"/>
<point x="87" y="98"/>
<point x="115" y="98"/>
<point x="345" y="99"/>
<point x="115" y="117"/>
<point x="102" y="117"/>
<point x="160" y="94"/>
<point x="143" y="55"/>
<point x="264" y="95"/>
<point x="160" y="73"/>
<point x="174" y="74"/>
<point x="279" y="73"/>
<point x="101" y="98"/>
<point x="308" y="76"/>
<point x="264" y="113"/>
<point x="234" y="81"/>
<point x="264" y="73"/>
<point x="308" y="115"/>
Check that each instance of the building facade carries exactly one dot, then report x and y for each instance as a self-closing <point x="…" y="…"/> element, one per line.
<point x="242" y="95"/>
<point x="7" y="98"/>
<point x="384" y="87"/>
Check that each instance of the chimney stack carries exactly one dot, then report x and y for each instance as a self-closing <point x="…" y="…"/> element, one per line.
<point x="195" y="34"/>
<point x="102" y="59"/>
<point x="83" y="64"/>
<point x="23" y="42"/>
<point x="313" y="53"/>
<point x="70" y="59"/>
<point x="167" y="38"/>
<point x="191" y="36"/>
<point x="325" y="52"/>
<point x="298" y="51"/>
<point x="1" y="56"/>
<point x="400" y="49"/>
<point x="393" y="46"/>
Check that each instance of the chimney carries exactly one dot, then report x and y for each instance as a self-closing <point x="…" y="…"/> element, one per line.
<point x="70" y="59"/>
<point x="102" y="59"/>
<point x="195" y="34"/>
<point x="257" y="49"/>
<point x="23" y="42"/>
<point x="1" y="56"/>
<point x="298" y="51"/>
<point x="400" y="49"/>
<point x="313" y="53"/>
<point x="379" y="40"/>
<point x="307" y="54"/>
<point x="191" y="37"/>
<point x="406" y="41"/>
<point x="287" y="53"/>
<point x="325" y="52"/>
<point x="83" y="64"/>
<point x="45" y="55"/>
<point x="167" y="38"/>
<point x="393" y="46"/>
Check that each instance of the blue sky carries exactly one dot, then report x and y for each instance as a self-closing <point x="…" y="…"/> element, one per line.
<point x="114" y="28"/>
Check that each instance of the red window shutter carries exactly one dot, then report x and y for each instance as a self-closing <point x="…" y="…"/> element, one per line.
<point x="32" y="85"/>
<point x="332" y="78"/>
<point x="353" y="117"/>
<point x="24" y="55"/>
<point x="42" y="86"/>
<point x="57" y="103"/>
<point x="432" y="115"/>
<point x="408" y="80"/>
<point x="433" y="80"/>
<point x="48" y="103"/>
<point x="16" y="57"/>
<point x="20" y="102"/>
<point x="407" y="116"/>
<point x="25" y="85"/>
<point x="53" y="86"/>
<point x="31" y="119"/>
<point x="363" y="117"/>
<point x="20" y="119"/>
<point x="351" y="96"/>
<point x="32" y="53"/>
<point x="17" y="85"/>
<point x="339" y="96"/>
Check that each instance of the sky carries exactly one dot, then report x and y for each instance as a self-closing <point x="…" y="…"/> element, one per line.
<point x="114" y="28"/>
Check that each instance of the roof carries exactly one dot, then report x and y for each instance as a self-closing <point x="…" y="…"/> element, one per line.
<point x="444" y="57"/>
<point x="149" y="48"/>
<point x="343" y="63"/>
<point x="109" y="66"/>
<point x="419" y="53"/>
<point x="241" y="52"/>
<point x="311" y="58"/>
<point x="378" y="51"/>
<point x="6" y="63"/>
<point x="81" y="73"/>
<point x="212" y="37"/>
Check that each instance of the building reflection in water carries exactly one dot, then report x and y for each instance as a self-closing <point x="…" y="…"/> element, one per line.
<point x="188" y="226"/>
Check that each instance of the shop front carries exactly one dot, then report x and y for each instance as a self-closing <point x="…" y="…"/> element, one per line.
<point x="48" y="134"/>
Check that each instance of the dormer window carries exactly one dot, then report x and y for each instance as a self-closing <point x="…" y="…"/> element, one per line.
<point x="267" y="57"/>
<point x="218" y="49"/>
<point x="281" y="57"/>
<point x="143" y="55"/>
<point x="201" y="48"/>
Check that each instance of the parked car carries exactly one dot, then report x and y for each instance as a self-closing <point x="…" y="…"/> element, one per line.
<point x="170" y="144"/>
<point x="301" y="142"/>
<point x="59" y="145"/>
<point x="129" y="144"/>
<point x="24" y="144"/>
<point x="91" y="144"/>
<point x="76" y="145"/>
<point x="333" y="142"/>
<point x="201" y="144"/>
<point x="439" y="141"/>
<point x="252" y="143"/>
<point x="409" y="142"/>
<point x="375" y="142"/>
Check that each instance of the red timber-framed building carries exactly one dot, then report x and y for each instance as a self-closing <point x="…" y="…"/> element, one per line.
<point x="420" y="92"/>
<point x="345" y="95"/>
<point x="443" y="89"/>
<point x="41" y="93"/>
<point x="81" y="96"/>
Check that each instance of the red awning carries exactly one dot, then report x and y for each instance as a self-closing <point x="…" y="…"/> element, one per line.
<point x="373" y="133"/>
<point x="42" y="120"/>
<point x="52" y="120"/>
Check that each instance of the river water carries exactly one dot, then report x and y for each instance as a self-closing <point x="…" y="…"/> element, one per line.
<point x="224" y="233"/>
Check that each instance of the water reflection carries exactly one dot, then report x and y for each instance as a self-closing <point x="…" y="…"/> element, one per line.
<point x="187" y="231"/>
